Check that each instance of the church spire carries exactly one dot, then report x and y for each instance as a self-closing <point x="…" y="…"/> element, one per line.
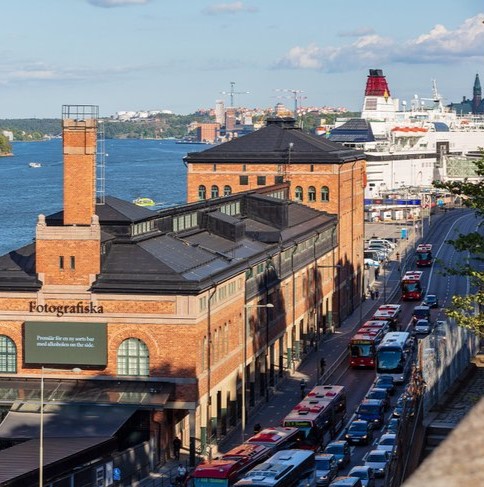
<point x="477" y="95"/>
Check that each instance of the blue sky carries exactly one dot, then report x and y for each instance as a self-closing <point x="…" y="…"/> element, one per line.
<point x="180" y="54"/>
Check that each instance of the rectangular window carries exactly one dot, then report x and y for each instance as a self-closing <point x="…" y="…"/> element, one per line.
<point x="61" y="262"/>
<point x="278" y="179"/>
<point x="73" y="262"/>
<point x="215" y="168"/>
<point x="311" y="168"/>
<point x="261" y="180"/>
<point x="244" y="180"/>
<point x="244" y="168"/>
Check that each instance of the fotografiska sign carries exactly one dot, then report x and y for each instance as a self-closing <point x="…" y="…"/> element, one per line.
<point x="61" y="310"/>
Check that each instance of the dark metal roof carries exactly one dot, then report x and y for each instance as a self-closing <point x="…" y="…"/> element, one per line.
<point x="20" y="460"/>
<point x="277" y="143"/>
<point x="66" y="421"/>
<point x="17" y="270"/>
<point x="353" y="131"/>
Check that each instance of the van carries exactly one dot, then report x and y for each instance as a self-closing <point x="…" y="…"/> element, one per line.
<point x="346" y="481"/>
<point x="384" y="241"/>
<point x="420" y="313"/>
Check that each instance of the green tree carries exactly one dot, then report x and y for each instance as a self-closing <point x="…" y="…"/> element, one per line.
<point x="468" y="311"/>
<point x="5" y="147"/>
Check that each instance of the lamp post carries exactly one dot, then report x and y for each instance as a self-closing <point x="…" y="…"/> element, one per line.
<point x="41" y="432"/>
<point x="246" y="327"/>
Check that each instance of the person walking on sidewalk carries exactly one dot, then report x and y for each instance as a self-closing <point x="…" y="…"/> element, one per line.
<point x="302" y="385"/>
<point x="372" y="293"/>
<point x="377" y="294"/>
<point x="176" y="447"/>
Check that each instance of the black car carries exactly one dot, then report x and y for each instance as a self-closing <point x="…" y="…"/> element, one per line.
<point x="359" y="432"/>
<point x="380" y="393"/>
<point x="431" y="300"/>
<point x="385" y="382"/>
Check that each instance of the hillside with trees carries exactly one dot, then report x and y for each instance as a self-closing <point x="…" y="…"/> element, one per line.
<point x="5" y="146"/>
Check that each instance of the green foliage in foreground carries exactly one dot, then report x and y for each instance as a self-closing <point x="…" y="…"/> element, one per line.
<point x="468" y="311"/>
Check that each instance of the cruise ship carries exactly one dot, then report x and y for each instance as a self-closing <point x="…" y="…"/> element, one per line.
<point x="410" y="145"/>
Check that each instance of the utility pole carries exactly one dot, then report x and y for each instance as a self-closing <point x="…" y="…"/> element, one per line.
<point x="231" y="93"/>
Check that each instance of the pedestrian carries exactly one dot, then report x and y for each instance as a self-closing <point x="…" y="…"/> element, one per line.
<point x="257" y="428"/>
<point x="322" y="365"/>
<point x="181" y="474"/>
<point x="302" y="385"/>
<point x="176" y="447"/>
<point x="377" y="273"/>
<point x="377" y="294"/>
<point x="372" y="293"/>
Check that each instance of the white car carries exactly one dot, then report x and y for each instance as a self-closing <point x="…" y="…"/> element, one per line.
<point x="387" y="442"/>
<point x="378" y="461"/>
<point x="422" y="327"/>
<point x="372" y="263"/>
<point x="387" y="243"/>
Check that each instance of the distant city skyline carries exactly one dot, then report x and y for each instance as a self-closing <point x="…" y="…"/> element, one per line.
<point x="136" y="55"/>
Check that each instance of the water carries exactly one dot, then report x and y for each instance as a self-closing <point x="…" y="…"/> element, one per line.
<point x="148" y="168"/>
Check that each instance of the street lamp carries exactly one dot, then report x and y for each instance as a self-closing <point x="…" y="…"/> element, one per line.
<point x="76" y="370"/>
<point x="246" y="326"/>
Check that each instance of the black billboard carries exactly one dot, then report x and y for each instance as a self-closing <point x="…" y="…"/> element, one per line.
<point x="65" y="343"/>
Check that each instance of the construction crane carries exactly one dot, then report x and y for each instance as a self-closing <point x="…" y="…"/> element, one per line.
<point x="296" y="95"/>
<point x="232" y="93"/>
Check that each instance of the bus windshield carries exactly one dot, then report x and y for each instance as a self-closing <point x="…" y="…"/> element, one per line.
<point x="390" y="361"/>
<point x="411" y="286"/>
<point x="361" y="350"/>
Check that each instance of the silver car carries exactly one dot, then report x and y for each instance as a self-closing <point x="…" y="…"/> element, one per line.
<point x="387" y="442"/>
<point x="365" y="474"/>
<point x="378" y="461"/>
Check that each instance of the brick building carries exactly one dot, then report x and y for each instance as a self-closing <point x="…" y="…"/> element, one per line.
<point x="162" y="312"/>
<point x="322" y="174"/>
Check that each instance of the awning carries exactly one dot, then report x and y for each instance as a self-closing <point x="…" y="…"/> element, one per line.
<point x="64" y="421"/>
<point x="140" y="393"/>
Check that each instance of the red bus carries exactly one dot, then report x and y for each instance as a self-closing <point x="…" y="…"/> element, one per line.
<point x="412" y="286"/>
<point x="362" y="347"/>
<point x="319" y="415"/>
<point x="424" y="255"/>
<point x="276" y="438"/>
<point x="390" y="313"/>
<point x="383" y="325"/>
<point x="225" y="471"/>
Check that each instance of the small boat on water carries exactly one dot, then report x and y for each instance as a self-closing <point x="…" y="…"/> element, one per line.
<point x="35" y="164"/>
<point x="144" y="202"/>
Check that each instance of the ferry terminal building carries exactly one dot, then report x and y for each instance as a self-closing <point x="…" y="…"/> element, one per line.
<point x="164" y="311"/>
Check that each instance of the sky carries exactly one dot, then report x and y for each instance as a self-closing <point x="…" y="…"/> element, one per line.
<point x="182" y="55"/>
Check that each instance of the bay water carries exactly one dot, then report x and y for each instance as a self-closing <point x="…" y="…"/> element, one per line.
<point x="134" y="168"/>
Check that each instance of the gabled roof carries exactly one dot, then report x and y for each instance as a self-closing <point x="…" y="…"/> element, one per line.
<point x="279" y="142"/>
<point x="17" y="269"/>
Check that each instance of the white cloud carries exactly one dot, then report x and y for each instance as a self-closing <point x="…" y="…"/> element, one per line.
<point x="440" y="46"/>
<point x="117" y="3"/>
<point x="228" y="8"/>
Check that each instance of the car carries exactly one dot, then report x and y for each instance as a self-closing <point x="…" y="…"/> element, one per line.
<point x="359" y="432"/>
<point x="346" y="481"/>
<point x="387" y="442"/>
<point x="380" y="393"/>
<point x="371" y="410"/>
<point x="379" y="248"/>
<point x="326" y="468"/>
<point x="431" y="300"/>
<point x="378" y="461"/>
<point x="420" y="313"/>
<point x="404" y="406"/>
<point x="341" y="450"/>
<point x="375" y="254"/>
<point x="364" y="473"/>
<point x="422" y="327"/>
<point x="393" y="426"/>
<point x="371" y="262"/>
<point x="389" y="245"/>
<point x="385" y="382"/>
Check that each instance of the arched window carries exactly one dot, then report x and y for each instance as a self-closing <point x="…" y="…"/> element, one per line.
<point x="133" y="358"/>
<point x="214" y="191"/>
<point x="202" y="192"/>
<point x="312" y="193"/>
<point x="298" y="193"/>
<point x="8" y="355"/>
<point x="324" y="193"/>
<point x="227" y="190"/>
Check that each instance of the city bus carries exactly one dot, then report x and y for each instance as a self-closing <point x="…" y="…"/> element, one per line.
<point x="412" y="289"/>
<point x="319" y="416"/>
<point x="276" y="438"/>
<point x="286" y="468"/>
<point x="424" y="255"/>
<point x="390" y="313"/>
<point x="225" y="471"/>
<point x="362" y="347"/>
<point x="394" y="355"/>
<point x="383" y="325"/>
